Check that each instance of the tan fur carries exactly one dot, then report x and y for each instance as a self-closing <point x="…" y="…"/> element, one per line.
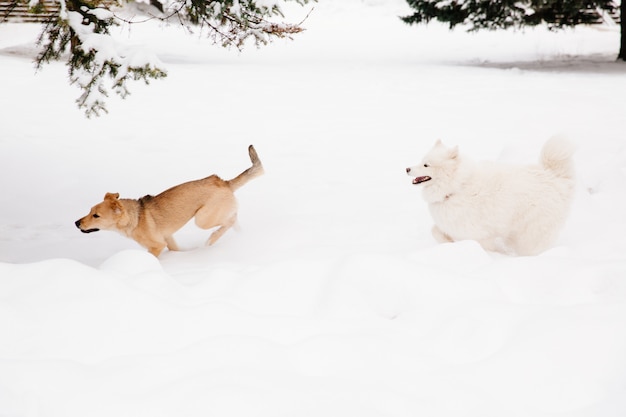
<point x="152" y="221"/>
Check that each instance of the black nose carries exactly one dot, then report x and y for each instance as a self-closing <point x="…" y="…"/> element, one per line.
<point x="77" y="223"/>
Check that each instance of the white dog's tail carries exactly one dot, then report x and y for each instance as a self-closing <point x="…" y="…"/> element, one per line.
<point x="556" y="156"/>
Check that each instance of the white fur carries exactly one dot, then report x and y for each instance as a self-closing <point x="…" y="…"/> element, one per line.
<point x="515" y="209"/>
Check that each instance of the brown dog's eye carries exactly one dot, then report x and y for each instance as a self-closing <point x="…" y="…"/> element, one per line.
<point x="96" y="216"/>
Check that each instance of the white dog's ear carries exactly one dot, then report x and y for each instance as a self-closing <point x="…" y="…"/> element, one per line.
<point x="454" y="152"/>
<point x="439" y="142"/>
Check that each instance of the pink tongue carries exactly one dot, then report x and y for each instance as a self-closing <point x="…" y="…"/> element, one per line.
<point x="420" y="179"/>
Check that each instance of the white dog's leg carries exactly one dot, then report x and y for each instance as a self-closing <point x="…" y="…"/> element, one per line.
<point x="497" y="244"/>
<point x="440" y="236"/>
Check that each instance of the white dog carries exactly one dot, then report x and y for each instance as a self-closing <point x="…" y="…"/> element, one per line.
<point x="514" y="209"/>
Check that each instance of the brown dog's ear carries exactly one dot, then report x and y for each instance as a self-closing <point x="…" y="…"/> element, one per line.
<point x="111" y="196"/>
<point x="114" y="203"/>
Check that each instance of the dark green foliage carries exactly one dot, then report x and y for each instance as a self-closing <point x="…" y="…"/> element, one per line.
<point x="477" y="14"/>
<point x="503" y="14"/>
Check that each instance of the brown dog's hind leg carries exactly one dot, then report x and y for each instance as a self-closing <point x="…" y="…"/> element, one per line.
<point x="221" y="230"/>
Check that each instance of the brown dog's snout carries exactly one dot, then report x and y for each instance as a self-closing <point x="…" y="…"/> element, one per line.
<point x="78" y="224"/>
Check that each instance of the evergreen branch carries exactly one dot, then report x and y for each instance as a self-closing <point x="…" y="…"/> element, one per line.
<point x="82" y="27"/>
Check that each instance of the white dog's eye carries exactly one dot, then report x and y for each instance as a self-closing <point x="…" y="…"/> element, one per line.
<point x="95" y="216"/>
<point x="425" y="165"/>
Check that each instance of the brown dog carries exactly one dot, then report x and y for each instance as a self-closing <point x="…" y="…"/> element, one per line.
<point x="152" y="221"/>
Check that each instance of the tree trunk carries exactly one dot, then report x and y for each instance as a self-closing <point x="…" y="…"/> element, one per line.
<point x="622" y="24"/>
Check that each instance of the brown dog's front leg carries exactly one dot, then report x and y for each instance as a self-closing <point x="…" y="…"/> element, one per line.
<point x="171" y="243"/>
<point x="154" y="243"/>
<point x="156" y="250"/>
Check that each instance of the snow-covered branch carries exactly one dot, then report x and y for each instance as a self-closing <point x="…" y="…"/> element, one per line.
<point x="98" y="63"/>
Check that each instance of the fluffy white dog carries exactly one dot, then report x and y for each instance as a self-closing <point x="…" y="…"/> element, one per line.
<point x="514" y="209"/>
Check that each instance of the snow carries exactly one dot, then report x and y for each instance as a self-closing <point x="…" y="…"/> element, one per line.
<point x="333" y="299"/>
<point x="99" y="13"/>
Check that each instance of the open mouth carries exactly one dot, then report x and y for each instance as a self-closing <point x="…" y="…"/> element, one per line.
<point x="89" y="230"/>
<point x="420" y="180"/>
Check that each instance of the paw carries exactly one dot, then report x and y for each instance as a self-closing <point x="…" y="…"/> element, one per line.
<point x="440" y="236"/>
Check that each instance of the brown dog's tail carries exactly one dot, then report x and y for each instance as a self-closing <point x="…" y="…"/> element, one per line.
<point x="254" y="171"/>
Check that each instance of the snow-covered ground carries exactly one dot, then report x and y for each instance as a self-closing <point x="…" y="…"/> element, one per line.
<point x="332" y="299"/>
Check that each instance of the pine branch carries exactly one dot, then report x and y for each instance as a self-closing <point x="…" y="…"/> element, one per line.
<point x="82" y="27"/>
